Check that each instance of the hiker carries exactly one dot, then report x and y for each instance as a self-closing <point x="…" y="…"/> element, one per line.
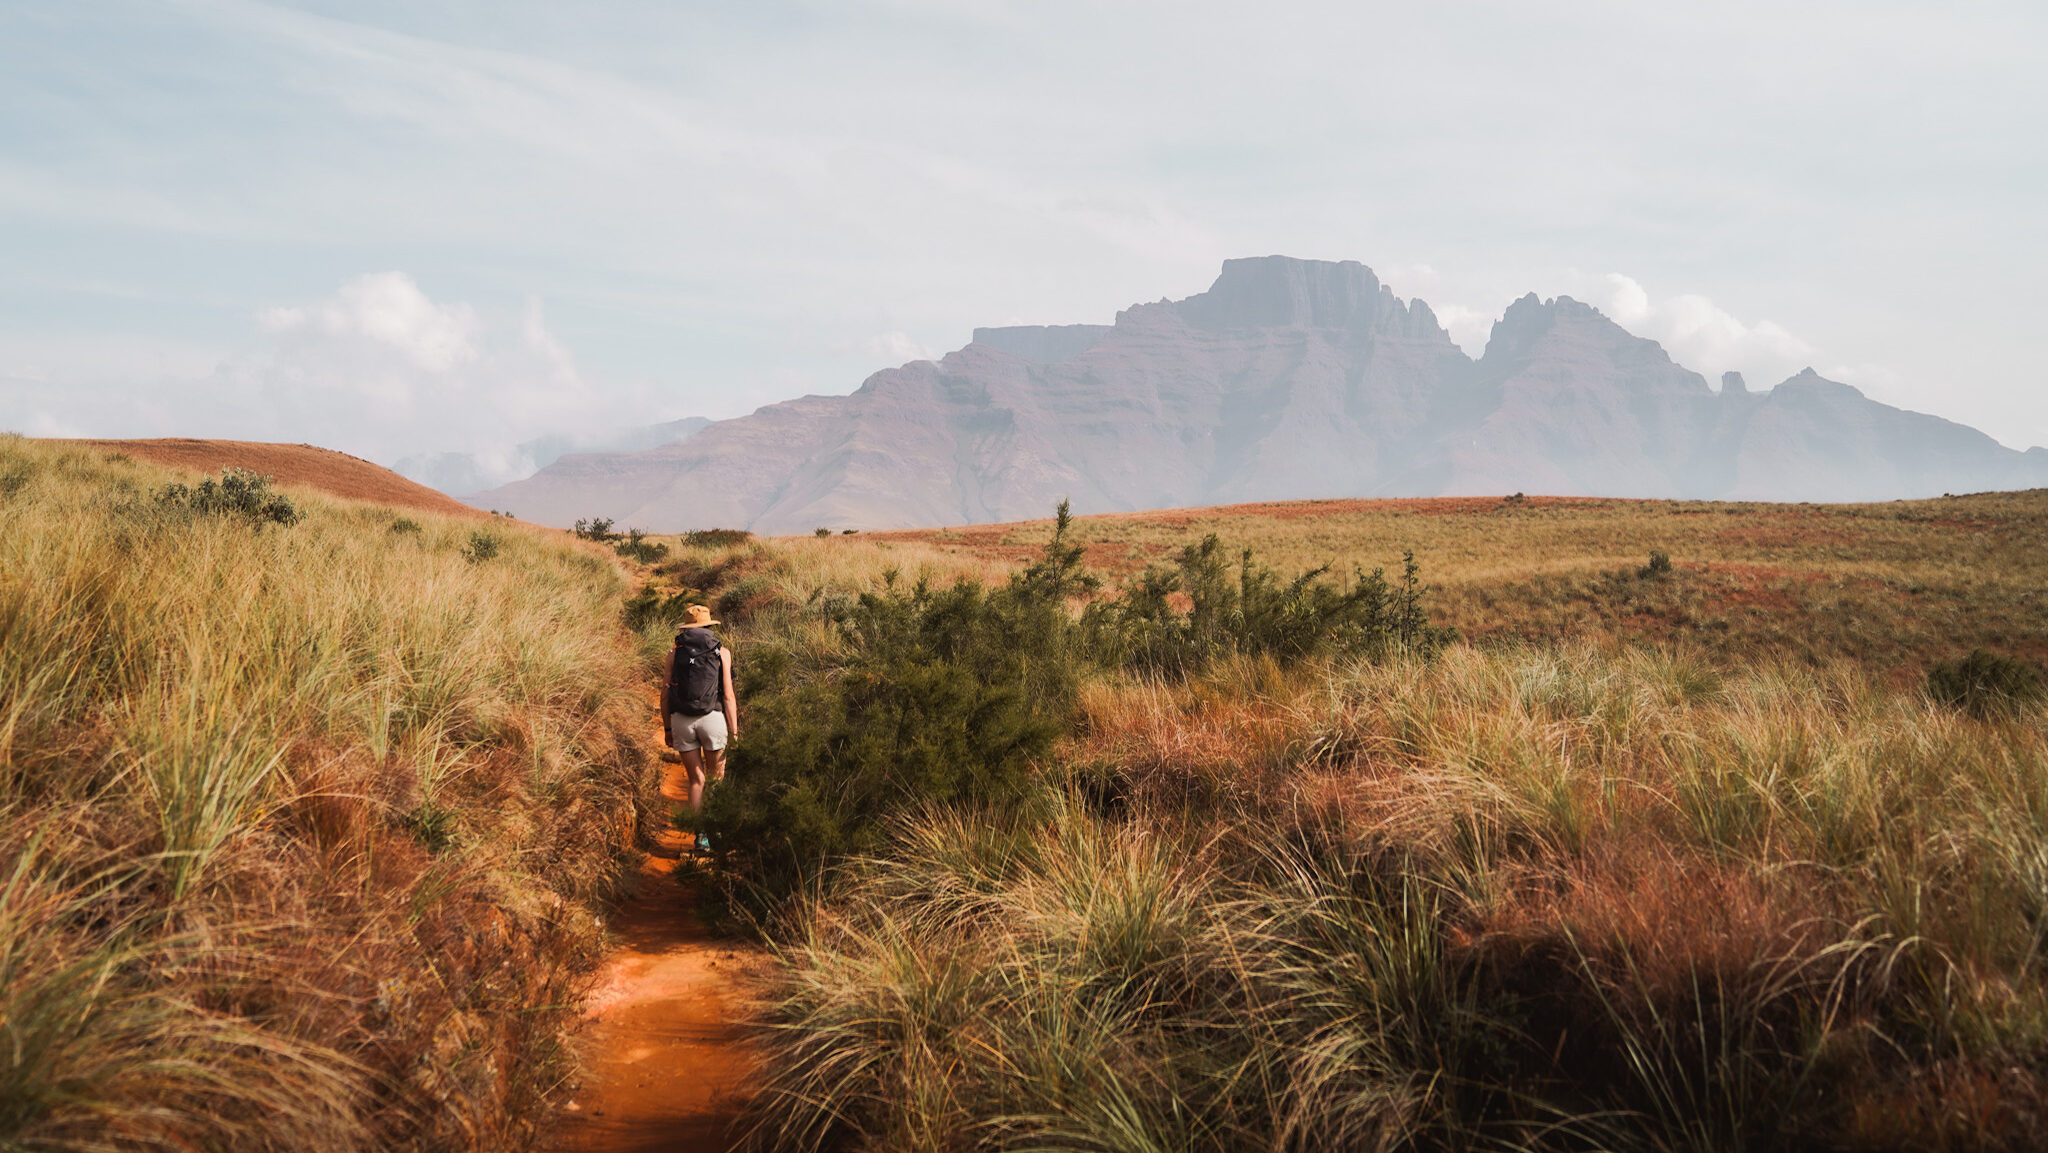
<point x="703" y="714"/>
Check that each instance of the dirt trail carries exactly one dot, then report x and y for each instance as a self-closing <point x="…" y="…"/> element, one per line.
<point x="662" y="1053"/>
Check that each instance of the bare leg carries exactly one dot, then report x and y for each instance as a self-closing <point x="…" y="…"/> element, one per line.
<point x="714" y="763"/>
<point x="693" y="762"/>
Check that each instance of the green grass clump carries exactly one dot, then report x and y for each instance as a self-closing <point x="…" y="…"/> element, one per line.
<point x="1985" y="683"/>
<point x="302" y="833"/>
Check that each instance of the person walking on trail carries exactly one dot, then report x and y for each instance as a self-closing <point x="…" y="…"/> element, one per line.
<point x="703" y="712"/>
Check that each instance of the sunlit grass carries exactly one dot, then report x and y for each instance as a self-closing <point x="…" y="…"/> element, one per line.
<point x="1542" y="898"/>
<point x="307" y="823"/>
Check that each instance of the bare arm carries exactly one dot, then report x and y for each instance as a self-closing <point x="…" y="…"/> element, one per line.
<point x="732" y="701"/>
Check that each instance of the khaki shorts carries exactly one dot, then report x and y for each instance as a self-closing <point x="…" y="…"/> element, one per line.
<point x="690" y="732"/>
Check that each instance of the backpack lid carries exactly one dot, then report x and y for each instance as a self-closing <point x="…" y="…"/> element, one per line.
<point x="696" y="638"/>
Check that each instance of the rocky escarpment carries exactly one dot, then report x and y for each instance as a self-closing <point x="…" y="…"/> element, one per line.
<point x="1287" y="379"/>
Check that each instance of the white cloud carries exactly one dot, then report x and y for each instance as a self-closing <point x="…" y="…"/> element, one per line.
<point x="891" y="348"/>
<point x="898" y="348"/>
<point x="388" y="309"/>
<point x="1704" y="337"/>
<point x="379" y="369"/>
<point x="1469" y="327"/>
<point x="383" y="370"/>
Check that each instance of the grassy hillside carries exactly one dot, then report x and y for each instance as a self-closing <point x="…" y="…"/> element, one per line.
<point x="300" y="465"/>
<point x="1650" y="860"/>
<point x="1886" y="586"/>
<point x="306" y="824"/>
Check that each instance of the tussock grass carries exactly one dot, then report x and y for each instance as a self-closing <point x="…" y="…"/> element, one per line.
<point x="1531" y="898"/>
<point x="307" y="823"/>
<point x="1662" y="857"/>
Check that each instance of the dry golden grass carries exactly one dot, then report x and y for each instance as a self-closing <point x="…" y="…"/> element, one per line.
<point x="309" y="827"/>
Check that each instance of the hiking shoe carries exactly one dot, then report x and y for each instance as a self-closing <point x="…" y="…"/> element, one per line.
<point x="703" y="842"/>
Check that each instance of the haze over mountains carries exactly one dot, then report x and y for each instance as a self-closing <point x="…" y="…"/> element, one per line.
<point x="1288" y="379"/>
<point x="462" y="473"/>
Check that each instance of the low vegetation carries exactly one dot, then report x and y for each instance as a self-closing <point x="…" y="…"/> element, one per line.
<point x="1707" y="835"/>
<point x="308" y="810"/>
<point x="1519" y="898"/>
<point x="1519" y="823"/>
<point x="1889" y="588"/>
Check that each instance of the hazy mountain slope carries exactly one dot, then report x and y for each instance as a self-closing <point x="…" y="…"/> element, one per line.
<point x="463" y="473"/>
<point x="1569" y="403"/>
<point x="1288" y="378"/>
<point x="1813" y="439"/>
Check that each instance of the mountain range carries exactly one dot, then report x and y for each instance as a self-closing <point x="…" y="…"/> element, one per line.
<point x="1287" y="379"/>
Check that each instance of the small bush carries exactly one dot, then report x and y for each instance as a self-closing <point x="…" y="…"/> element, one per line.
<point x="637" y="547"/>
<point x="16" y="476"/>
<point x="1985" y="683"/>
<point x="238" y="492"/>
<point x="482" y="546"/>
<point x="649" y="608"/>
<point x="821" y="531"/>
<point x="947" y="697"/>
<point x="406" y="526"/>
<point x="716" y="537"/>
<point x="1254" y="612"/>
<point x="597" y="528"/>
<point x="743" y="597"/>
<point x="1659" y="566"/>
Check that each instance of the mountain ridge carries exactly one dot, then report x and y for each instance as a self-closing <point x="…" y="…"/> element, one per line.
<point x="1287" y="379"/>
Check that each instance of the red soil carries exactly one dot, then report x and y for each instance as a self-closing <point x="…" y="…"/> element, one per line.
<point x="335" y="473"/>
<point x="665" y="1061"/>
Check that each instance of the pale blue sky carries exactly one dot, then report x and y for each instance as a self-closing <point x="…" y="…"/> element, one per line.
<point x="397" y="227"/>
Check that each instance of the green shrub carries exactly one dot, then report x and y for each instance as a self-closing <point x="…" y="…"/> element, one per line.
<point x="1985" y="683"/>
<point x="947" y="697"/>
<point x="649" y="608"/>
<point x="1659" y="566"/>
<point x="637" y="547"/>
<point x="405" y="526"/>
<point x="238" y="492"/>
<point x="597" y="528"/>
<point x="482" y="546"/>
<point x="716" y="537"/>
<point x="1253" y="611"/>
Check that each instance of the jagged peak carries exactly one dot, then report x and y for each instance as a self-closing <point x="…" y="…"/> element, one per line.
<point x="1529" y="318"/>
<point x="1806" y="379"/>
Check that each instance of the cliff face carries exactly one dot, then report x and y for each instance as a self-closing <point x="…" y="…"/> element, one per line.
<point x="1287" y="379"/>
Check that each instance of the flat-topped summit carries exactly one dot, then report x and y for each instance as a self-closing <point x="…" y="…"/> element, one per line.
<point x="1286" y="379"/>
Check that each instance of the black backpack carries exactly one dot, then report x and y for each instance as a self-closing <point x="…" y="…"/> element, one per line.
<point x="695" y="684"/>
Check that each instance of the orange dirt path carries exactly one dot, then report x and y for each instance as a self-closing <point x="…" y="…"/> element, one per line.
<point x="664" y="1057"/>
